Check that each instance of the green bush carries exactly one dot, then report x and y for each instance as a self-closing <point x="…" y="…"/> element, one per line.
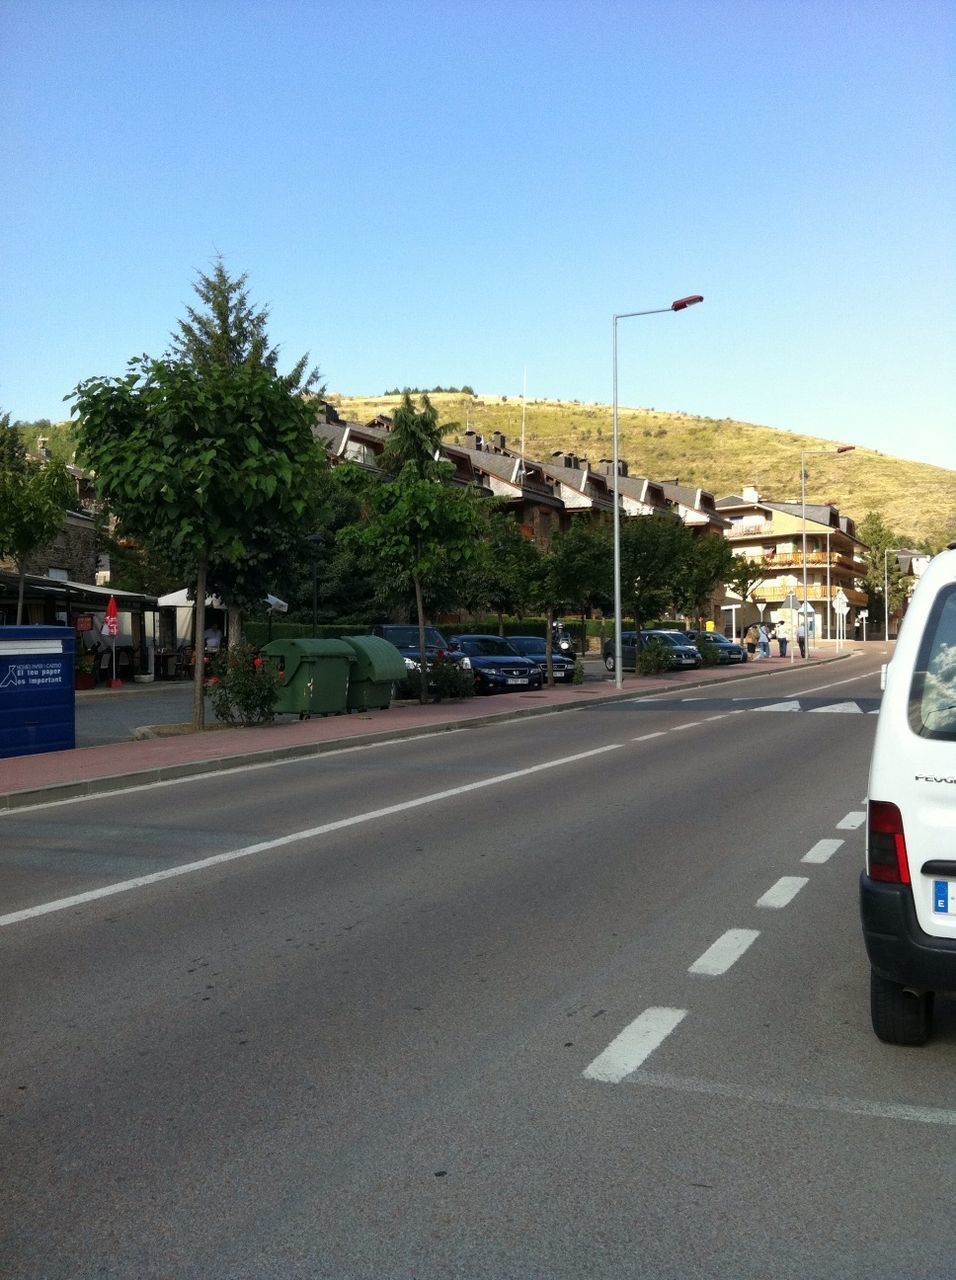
<point x="709" y="652"/>
<point x="447" y="680"/>
<point x="243" y="685"/>
<point x="654" y="658"/>
<point x="579" y="672"/>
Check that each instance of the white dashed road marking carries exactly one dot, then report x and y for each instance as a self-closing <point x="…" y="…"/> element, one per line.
<point x="636" y="1042"/>
<point x="646" y="737"/>
<point x="851" y="821"/>
<point x="783" y="892"/>
<point x="728" y="948"/>
<point x="822" y="851"/>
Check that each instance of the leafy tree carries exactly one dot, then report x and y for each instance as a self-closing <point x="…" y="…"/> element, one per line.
<point x="705" y="567"/>
<point x="653" y="552"/>
<point x="420" y="534"/>
<point x="202" y="465"/>
<point x="744" y="574"/>
<point x="500" y="576"/>
<point x="34" y="498"/>
<point x="581" y="571"/>
<point x="415" y="439"/>
<point x="231" y="331"/>
<point x="878" y="558"/>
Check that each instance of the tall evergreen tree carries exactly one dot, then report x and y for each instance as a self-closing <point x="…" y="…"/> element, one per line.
<point x="415" y="438"/>
<point x="231" y="331"/>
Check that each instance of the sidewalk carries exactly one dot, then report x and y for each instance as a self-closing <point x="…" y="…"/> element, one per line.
<point x="61" y="775"/>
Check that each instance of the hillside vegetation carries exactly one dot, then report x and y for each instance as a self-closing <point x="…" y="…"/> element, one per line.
<point x="916" y="500"/>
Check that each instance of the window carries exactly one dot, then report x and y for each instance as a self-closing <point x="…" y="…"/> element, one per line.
<point x="932" y="709"/>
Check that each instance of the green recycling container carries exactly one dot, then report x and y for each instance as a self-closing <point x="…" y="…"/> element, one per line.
<point x="314" y="676"/>
<point x="378" y="665"/>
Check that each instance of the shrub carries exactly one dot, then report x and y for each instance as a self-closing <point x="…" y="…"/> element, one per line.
<point x="244" y="685"/>
<point x="654" y="658"/>
<point x="579" y="672"/>
<point x="447" y="680"/>
<point x="709" y="652"/>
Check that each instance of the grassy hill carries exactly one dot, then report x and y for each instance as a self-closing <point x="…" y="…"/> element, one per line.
<point x="916" y="500"/>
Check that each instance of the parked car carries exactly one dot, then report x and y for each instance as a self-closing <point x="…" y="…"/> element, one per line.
<point x="497" y="666"/>
<point x="728" y="651"/>
<point x="629" y="649"/>
<point x="533" y="647"/>
<point x="405" y="638"/>
<point x="683" y="653"/>
<point x="908" y="886"/>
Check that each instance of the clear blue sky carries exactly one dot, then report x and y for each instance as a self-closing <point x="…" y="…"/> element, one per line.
<point x="443" y="193"/>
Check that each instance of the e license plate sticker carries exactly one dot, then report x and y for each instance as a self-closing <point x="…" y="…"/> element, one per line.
<point x="944" y="897"/>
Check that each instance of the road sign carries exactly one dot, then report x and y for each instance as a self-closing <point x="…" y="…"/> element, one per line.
<point x="841" y="607"/>
<point x="790" y="602"/>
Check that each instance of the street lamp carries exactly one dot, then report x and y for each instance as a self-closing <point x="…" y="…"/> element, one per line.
<point x="805" y="453"/>
<point x="680" y="305"/>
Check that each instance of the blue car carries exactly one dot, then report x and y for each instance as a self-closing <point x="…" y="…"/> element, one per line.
<point x="533" y="647"/>
<point x="497" y="667"/>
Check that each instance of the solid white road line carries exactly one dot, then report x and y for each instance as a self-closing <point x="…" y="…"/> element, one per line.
<point x="822" y="851"/>
<point x="783" y="892"/>
<point x="851" y="821"/>
<point x="646" y="737"/>
<point x="775" y="1099"/>
<point x="636" y="1042"/>
<point x="693" y="724"/>
<point x="728" y="948"/>
<point x="264" y="846"/>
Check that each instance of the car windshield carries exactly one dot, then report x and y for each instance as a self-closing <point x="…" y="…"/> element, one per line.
<point x="487" y="647"/>
<point x="527" y="644"/>
<point x="664" y="636"/>
<point x="408" y="636"/>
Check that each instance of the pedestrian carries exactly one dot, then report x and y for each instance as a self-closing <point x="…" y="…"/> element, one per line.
<point x="802" y="638"/>
<point x="783" y="638"/>
<point x="750" y="639"/>
<point x="763" y="641"/>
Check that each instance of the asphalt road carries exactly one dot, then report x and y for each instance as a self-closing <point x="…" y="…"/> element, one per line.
<point x="575" y="996"/>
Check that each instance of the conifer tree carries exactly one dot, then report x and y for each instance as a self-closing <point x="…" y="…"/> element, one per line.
<point x="230" y="330"/>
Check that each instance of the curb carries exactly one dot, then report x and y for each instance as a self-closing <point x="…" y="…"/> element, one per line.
<point x="106" y="784"/>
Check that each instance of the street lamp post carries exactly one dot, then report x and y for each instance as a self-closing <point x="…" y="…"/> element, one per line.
<point x="680" y="305"/>
<point x="805" y="453"/>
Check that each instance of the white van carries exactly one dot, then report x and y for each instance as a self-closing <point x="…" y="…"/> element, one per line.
<point x="908" y="890"/>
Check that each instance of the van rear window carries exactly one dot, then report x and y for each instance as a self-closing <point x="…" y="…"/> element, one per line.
<point x="932" y="707"/>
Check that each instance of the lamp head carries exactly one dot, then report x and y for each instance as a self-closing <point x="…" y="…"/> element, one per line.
<point x="683" y="303"/>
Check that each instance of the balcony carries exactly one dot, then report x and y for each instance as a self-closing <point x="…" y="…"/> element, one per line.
<point x="774" y="593"/>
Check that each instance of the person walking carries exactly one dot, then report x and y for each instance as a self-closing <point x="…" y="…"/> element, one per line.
<point x="783" y="638"/>
<point x="763" y="640"/>
<point x="802" y="638"/>
<point x="750" y="639"/>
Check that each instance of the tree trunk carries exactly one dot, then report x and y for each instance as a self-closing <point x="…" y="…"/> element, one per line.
<point x="22" y="569"/>
<point x="501" y="624"/>
<point x="548" y="648"/>
<point x="422" y="656"/>
<point x="199" y="667"/>
<point x="233" y="624"/>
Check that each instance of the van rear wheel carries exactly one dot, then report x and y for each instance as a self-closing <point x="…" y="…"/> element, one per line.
<point x="899" y="1014"/>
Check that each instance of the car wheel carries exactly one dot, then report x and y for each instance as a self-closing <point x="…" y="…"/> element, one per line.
<point x="899" y="1015"/>
<point x="609" y="662"/>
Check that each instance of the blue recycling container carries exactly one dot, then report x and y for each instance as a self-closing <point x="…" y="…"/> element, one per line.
<point x="37" y="698"/>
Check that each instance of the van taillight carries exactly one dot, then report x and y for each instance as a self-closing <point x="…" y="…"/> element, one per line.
<point x="886" y="847"/>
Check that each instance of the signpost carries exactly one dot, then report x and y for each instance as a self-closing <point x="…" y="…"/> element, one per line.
<point x="863" y="614"/>
<point x="841" y="607"/>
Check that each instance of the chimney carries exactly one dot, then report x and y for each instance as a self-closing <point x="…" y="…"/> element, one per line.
<point x="750" y="494"/>
<point x="498" y="441"/>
